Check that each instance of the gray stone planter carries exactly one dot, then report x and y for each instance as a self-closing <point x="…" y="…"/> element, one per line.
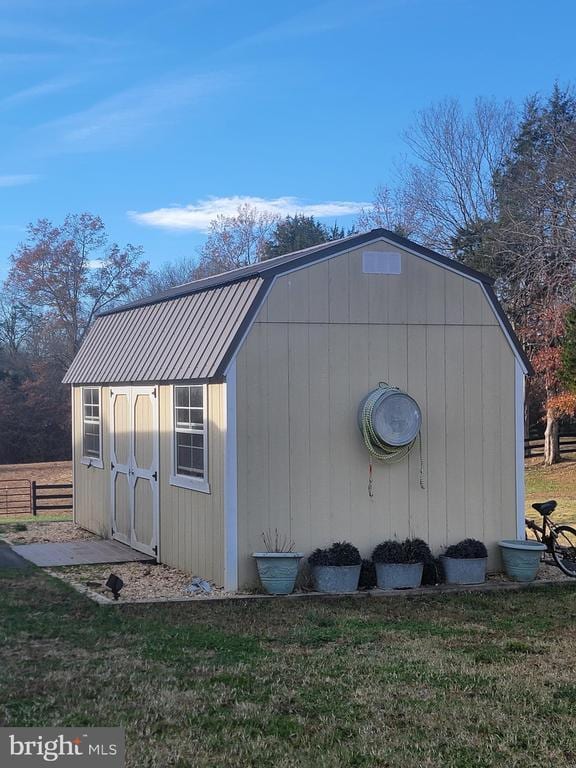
<point x="521" y="558"/>
<point x="471" y="570"/>
<point x="278" y="570"/>
<point x="336" y="578"/>
<point x="398" y="575"/>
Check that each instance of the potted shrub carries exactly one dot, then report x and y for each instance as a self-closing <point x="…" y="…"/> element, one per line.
<point x="278" y="565"/>
<point x="465" y="562"/>
<point x="336" y="569"/>
<point x="399" y="565"/>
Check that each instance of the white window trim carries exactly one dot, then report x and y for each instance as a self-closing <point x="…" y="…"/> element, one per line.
<point x="185" y="481"/>
<point x="92" y="461"/>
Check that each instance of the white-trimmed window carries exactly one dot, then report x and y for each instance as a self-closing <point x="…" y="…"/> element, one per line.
<point x="91" y="427"/>
<point x="190" y="438"/>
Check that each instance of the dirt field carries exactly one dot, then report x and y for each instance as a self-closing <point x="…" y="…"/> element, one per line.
<point x="51" y="473"/>
<point x="46" y="472"/>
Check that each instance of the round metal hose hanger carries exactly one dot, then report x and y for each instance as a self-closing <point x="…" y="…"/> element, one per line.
<point x="390" y="422"/>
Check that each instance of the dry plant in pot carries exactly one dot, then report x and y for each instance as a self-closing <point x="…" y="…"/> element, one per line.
<point x="278" y="564"/>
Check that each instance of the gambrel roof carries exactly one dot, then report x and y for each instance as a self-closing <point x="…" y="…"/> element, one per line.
<point x="191" y="332"/>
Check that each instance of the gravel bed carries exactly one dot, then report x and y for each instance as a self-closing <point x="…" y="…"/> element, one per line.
<point x="44" y="533"/>
<point x="142" y="581"/>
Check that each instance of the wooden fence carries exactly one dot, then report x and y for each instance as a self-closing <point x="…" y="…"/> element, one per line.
<point x="15" y="497"/>
<point x="52" y="496"/>
<point x="535" y="447"/>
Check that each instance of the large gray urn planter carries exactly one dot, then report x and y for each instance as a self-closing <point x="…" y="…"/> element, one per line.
<point x="399" y="575"/>
<point x="336" y="578"/>
<point x="278" y="570"/>
<point x="470" y="570"/>
<point x="521" y="558"/>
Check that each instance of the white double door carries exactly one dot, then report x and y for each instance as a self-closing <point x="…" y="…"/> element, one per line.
<point x="134" y="466"/>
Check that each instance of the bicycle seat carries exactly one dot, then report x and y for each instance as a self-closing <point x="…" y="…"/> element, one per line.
<point x="545" y="507"/>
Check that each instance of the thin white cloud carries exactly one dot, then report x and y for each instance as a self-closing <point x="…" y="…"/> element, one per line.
<point x="18" y="179"/>
<point x="117" y="120"/>
<point x="45" y="88"/>
<point x="198" y="216"/>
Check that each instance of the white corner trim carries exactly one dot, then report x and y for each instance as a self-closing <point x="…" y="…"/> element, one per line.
<point x="73" y="396"/>
<point x="519" y="419"/>
<point x="230" y="482"/>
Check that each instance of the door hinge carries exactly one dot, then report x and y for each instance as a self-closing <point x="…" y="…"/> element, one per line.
<point x="111" y="393"/>
<point x="155" y="476"/>
<point x="155" y="549"/>
<point x="111" y="465"/>
<point x="154" y="392"/>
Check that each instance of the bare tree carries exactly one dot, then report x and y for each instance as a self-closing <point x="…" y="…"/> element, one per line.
<point x="17" y="322"/>
<point x="235" y="241"/>
<point x="169" y="275"/>
<point x="69" y="273"/>
<point x="449" y="184"/>
<point x="393" y="210"/>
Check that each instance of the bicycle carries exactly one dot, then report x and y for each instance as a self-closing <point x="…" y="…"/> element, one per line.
<point x="560" y="540"/>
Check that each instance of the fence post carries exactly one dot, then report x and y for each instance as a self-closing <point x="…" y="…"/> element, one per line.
<point x="34" y="497"/>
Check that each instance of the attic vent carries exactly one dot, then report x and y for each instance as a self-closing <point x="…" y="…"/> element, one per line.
<point x="381" y="263"/>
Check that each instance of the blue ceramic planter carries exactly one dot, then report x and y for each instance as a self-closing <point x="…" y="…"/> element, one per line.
<point x="521" y="558"/>
<point x="278" y="570"/>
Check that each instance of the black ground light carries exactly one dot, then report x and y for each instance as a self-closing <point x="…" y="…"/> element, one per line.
<point x="114" y="584"/>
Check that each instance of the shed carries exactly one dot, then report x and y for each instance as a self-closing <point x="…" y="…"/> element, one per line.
<point x="222" y="408"/>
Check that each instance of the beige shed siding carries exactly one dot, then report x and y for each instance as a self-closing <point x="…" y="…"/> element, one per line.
<point x="91" y="484"/>
<point x="326" y="335"/>
<point x="192" y="522"/>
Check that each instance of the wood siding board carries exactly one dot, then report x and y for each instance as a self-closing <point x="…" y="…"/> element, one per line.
<point x="299" y="427"/>
<point x="319" y="430"/>
<point x="435" y="296"/>
<point x="278" y="301"/>
<point x="341" y="423"/>
<point x="318" y="282"/>
<point x="398" y="476"/>
<point x="338" y="277"/>
<point x="416" y="387"/>
<point x="507" y="439"/>
<point x="473" y="300"/>
<point x="277" y="405"/>
<point x="455" y="420"/>
<point x="298" y="296"/>
<point x="358" y="309"/>
<point x="491" y="458"/>
<point x="473" y="433"/>
<point x="379" y="370"/>
<point x="360" y="513"/>
<point x="454" y="298"/>
<point x="436" y="453"/>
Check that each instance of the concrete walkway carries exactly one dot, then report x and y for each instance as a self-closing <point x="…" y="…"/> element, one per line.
<point x="85" y="552"/>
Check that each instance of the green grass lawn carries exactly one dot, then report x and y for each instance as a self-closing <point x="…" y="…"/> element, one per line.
<point x="555" y="482"/>
<point x="451" y="681"/>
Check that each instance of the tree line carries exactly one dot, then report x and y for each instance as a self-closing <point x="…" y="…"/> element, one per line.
<point x="493" y="187"/>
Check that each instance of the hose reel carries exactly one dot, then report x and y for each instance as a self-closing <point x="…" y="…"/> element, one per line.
<point x="390" y="422"/>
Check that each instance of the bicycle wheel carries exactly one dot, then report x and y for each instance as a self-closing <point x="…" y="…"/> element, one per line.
<point x="564" y="549"/>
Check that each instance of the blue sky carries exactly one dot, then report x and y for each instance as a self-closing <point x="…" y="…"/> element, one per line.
<point x="157" y="115"/>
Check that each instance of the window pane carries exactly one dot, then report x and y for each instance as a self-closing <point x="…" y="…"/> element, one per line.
<point x="196" y="396"/>
<point x="182" y="396"/>
<point x="196" y="417"/>
<point x="198" y="459"/>
<point x="197" y="441"/>
<point x="183" y="417"/>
